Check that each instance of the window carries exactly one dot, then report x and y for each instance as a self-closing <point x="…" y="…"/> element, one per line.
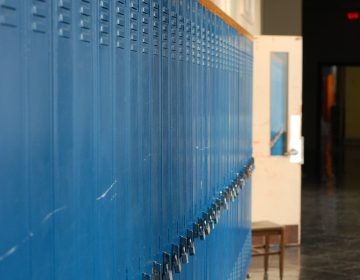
<point x="279" y="102"/>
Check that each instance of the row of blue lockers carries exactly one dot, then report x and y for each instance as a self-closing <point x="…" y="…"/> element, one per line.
<point x="121" y="124"/>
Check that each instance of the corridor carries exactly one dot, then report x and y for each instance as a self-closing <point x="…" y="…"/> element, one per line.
<point x="330" y="227"/>
<point x="130" y="130"/>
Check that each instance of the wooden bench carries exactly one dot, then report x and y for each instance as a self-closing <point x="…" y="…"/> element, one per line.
<point x="266" y="229"/>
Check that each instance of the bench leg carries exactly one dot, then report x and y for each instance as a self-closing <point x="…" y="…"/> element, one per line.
<point x="282" y="245"/>
<point x="266" y="256"/>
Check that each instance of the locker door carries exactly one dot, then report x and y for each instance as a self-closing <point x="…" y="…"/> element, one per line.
<point x="38" y="65"/>
<point x="64" y="205"/>
<point x="156" y="133"/>
<point x="136" y="222"/>
<point x="181" y="123"/>
<point x="106" y="184"/>
<point x="121" y="107"/>
<point x="145" y="126"/>
<point x="83" y="127"/>
<point x="13" y="127"/>
<point x="165" y="118"/>
<point x="173" y="122"/>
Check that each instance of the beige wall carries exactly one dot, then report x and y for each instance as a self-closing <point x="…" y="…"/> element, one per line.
<point x="352" y="103"/>
<point x="276" y="193"/>
<point x="281" y="17"/>
<point x="245" y="12"/>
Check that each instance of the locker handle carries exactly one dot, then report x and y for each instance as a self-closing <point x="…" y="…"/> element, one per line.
<point x="190" y="243"/>
<point x="175" y="259"/>
<point x="156" y="271"/>
<point x="206" y="223"/>
<point x="167" y="272"/>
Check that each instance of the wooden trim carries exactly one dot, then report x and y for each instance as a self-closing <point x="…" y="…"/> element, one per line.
<point x="225" y="17"/>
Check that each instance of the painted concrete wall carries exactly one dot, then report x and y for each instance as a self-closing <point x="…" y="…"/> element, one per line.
<point x="352" y="102"/>
<point x="275" y="17"/>
<point x="276" y="181"/>
<point x="246" y="12"/>
<point x="281" y="17"/>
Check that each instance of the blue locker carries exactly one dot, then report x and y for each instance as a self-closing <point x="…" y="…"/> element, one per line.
<point x="125" y="140"/>
<point x="136" y="169"/>
<point x="83" y="108"/>
<point x="156" y="133"/>
<point x="106" y="184"/>
<point x="40" y="143"/>
<point x="145" y="125"/>
<point x="63" y="215"/>
<point x="165" y="129"/>
<point x="14" y="144"/>
<point x="173" y="120"/>
<point x="122" y="140"/>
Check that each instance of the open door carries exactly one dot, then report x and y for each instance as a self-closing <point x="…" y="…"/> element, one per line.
<point x="278" y="142"/>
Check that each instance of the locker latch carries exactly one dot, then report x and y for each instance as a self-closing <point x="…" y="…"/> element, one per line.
<point x="201" y="228"/>
<point x="167" y="272"/>
<point x="175" y="258"/>
<point x="214" y="214"/>
<point x="224" y="202"/>
<point x="210" y="218"/>
<point x="234" y="189"/>
<point x="236" y="186"/>
<point x="156" y="271"/>
<point x="190" y="243"/>
<point x="196" y="230"/>
<point x="206" y="223"/>
<point x="241" y="182"/>
<point x="229" y="194"/>
<point x="218" y="208"/>
<point x="184" y="250"/>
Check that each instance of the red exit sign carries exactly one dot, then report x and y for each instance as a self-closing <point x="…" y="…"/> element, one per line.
<point x="352" y="15"/>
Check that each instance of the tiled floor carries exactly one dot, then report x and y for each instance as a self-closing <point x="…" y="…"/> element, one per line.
<point x="330" y="229"/>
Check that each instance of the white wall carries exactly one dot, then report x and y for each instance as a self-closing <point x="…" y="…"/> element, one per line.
<point x="276" y="188"/>
<point x="245" y="12"/>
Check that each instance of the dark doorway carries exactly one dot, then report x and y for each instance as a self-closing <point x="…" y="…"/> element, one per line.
<point x="339" y="121"/>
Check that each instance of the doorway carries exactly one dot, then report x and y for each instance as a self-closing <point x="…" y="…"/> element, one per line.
<point x="339" y="122"/>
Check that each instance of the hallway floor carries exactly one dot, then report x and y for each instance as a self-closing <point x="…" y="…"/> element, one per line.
<point x="330" y="246"/>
